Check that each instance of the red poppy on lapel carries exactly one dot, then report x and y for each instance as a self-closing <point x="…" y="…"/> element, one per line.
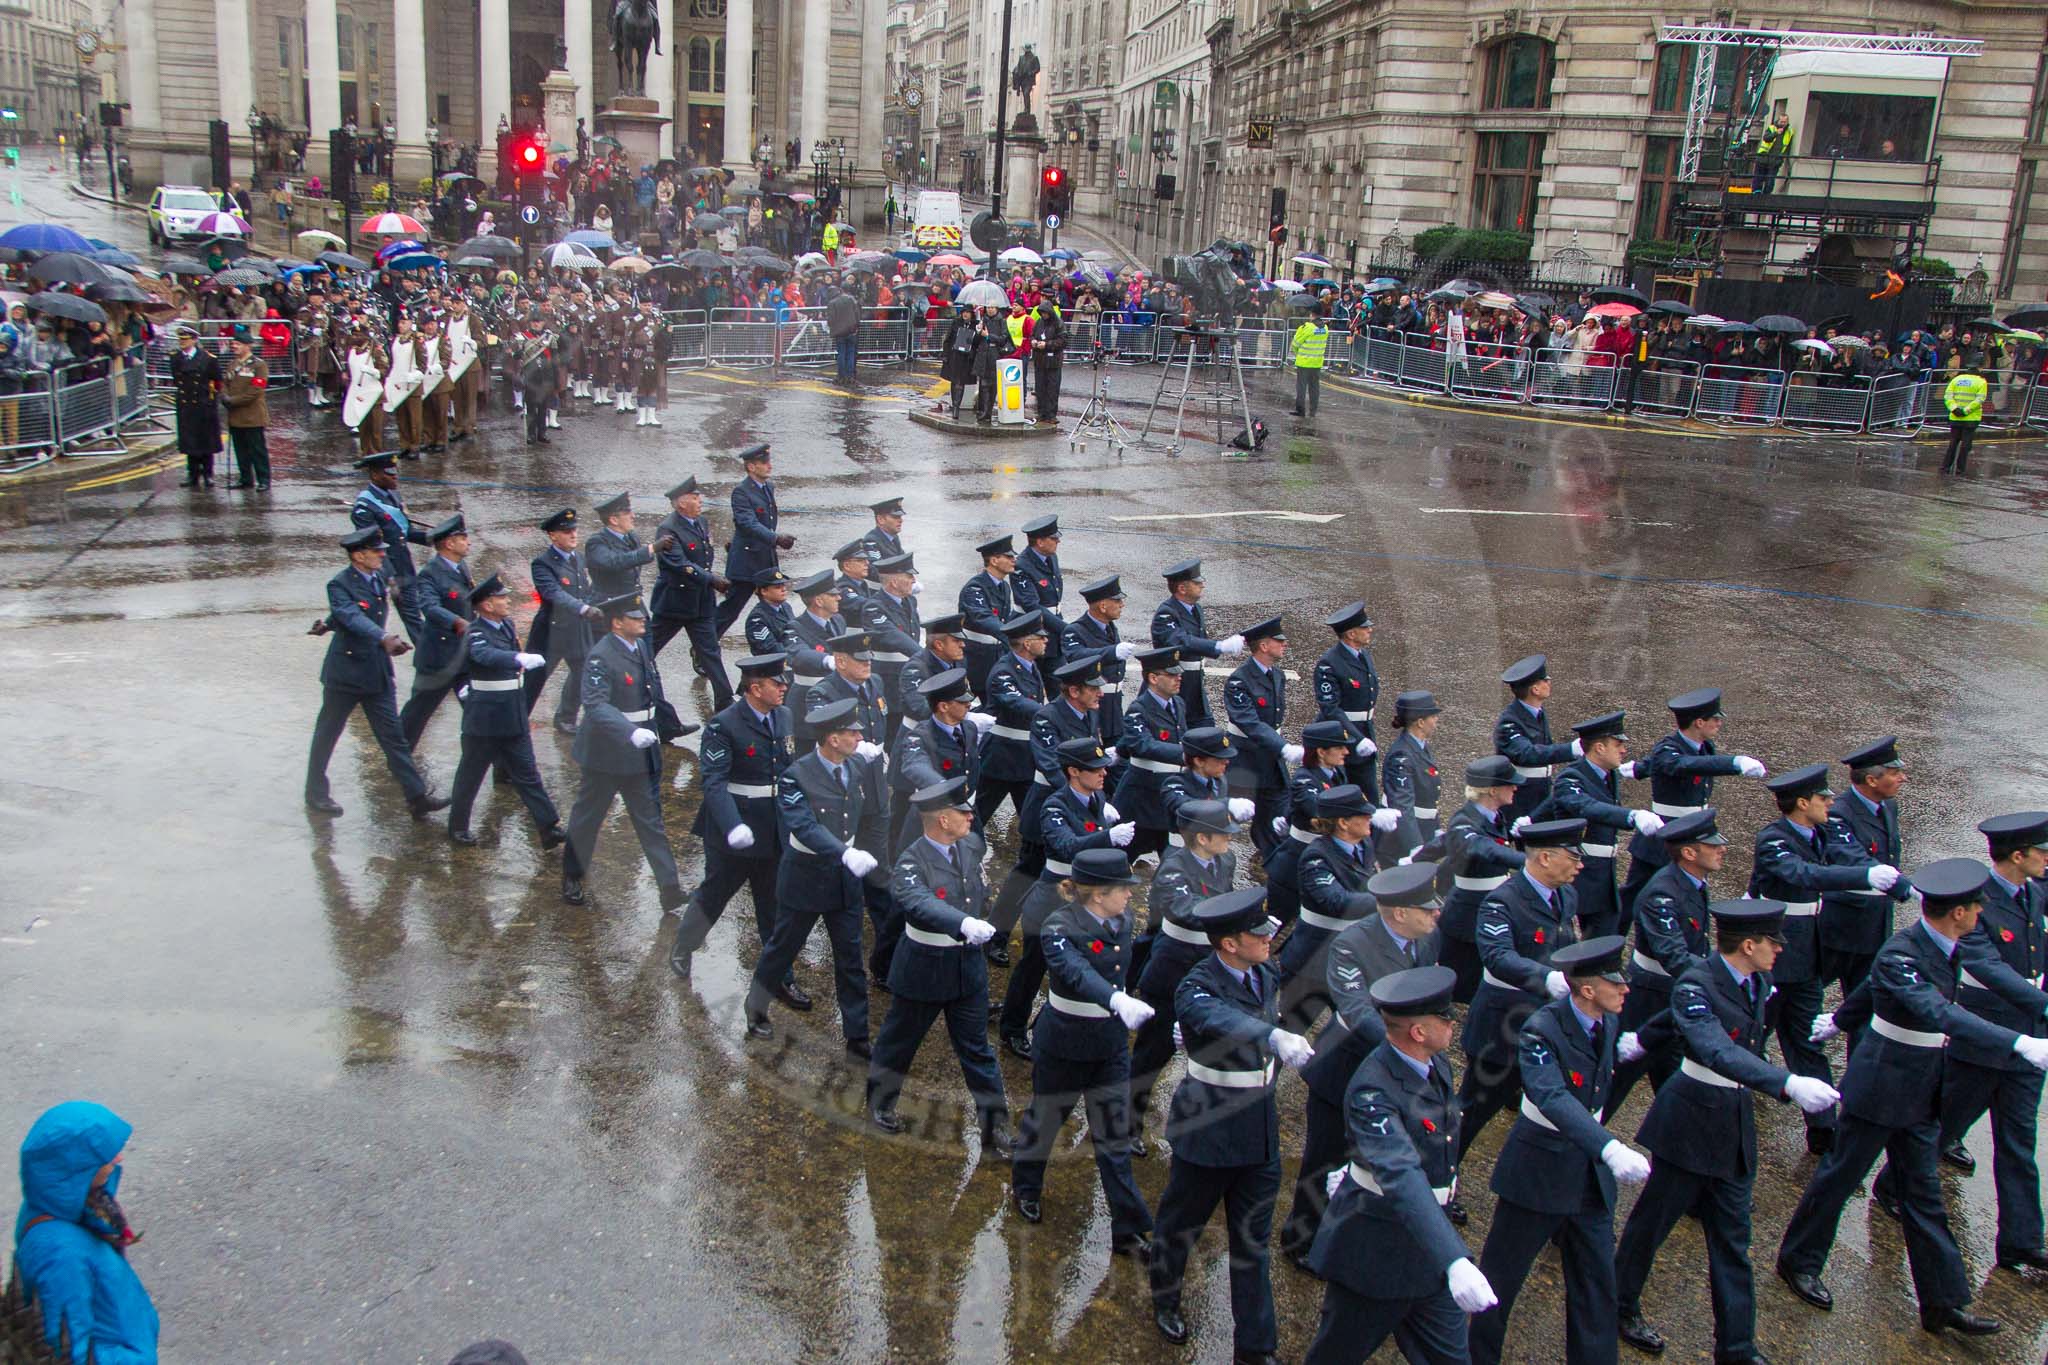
<point x="629" y="680"/>
<point x="1735" y="1035"/>
<point x="1432" y="772"/>
<point x="1088" y="825"/>
<point x="1095" y="945"/>
<point x="364" y="605"/>
<point x="940" y="892"/>
<point x="750" y="751"/>
<point x="1261" y="701"/>
<point x="1428" y="1125"/>
<point x="946" y="765"/>
<point x="1165" y="735"/>
<point x="1577" y="1079"/>
<point x="1539" y="936"/>
<point x="2005" y="934"/>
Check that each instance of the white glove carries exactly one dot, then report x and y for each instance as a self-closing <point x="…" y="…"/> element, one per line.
<point x="1638" y="769"/>
<point x="857" y="862"/>
<point x="1469" y="1286"/>
<point x="1578" y="748"/>
<point x="1749" y="767"/>
<point x="917" y="589"/>
<point x="1646" y="821"/>
<point x="1629" y="1049"/>
<point x="1131" y="1011"/>
<point x="981" y="720"/>
<point x="1824" y="1028"/>
<point x="1242" y="810"/>
<point x="1178" y="1041"/>
<point x="2034" y="1051"/>
<point x="1365" y="748"/>
<point x="1811" y="1093"/>
<point x="530" y="662"/>
<point x="1110" y="754"/>
<point x="740" y="837"/>
<point x="1290" y="1048"/>
<point x="1336" y="1178"/>
<point x="1121" y="835"/>
<point x="1290" y="754"/>
<point x="1883" y="877"/>
<point x="1406" y="858"/>
<point x="1279" y="826"/>
<point x="1230" y="646"/>
<point x="1630" y="1167"/>
<point x="1126" y="650"/>
<point x="976" y="931"/>
<point x="1386" y="819"/>
<point x="680" y="742"/>
<point x="868" y="749"/>
<point x="1558" y="987"/>
<point x="1109" y="812"/>
<point x="1522" y="822"/>
<point x="645" y="739"/>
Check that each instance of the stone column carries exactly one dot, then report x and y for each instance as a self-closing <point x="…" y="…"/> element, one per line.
<point x="494" y="78"/>
<point x="875" y="93"/>
<point x="323" y="82"/>
<point x="576" y="37"/>
<point x="142" y="138"/>
<point x="411" y="162"/>
<point x="237" y="71"/>
<point x="661" y="66"/>
<point x="817" y="74"/>
<point x="739" y="84"/>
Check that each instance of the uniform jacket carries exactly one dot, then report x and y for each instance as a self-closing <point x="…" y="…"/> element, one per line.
<point x="1522" y="736"/>
<point x="1226" y="1031"/>
<point x="195" y="385"/>
<point x="1566" y="1079"/>
<point x="1015" y="692"/>
<point x="923" y="665"/>
<point x="443" y="596"/>
<point x="1478" y="858"/>
<point x="1518" y="932"/>
<point x="1331" y="884"/>
<point x="1068" y="824"/>
<point x="1086" y="961"/>
<point x="1180" y="884"/>
<point x="561" y="629"/>
<point x="1255" y="702"/>
<point x="357" y="608"/>
<point x="933" y="895"/>
<point x="621" y="693"/>
<point x="1053" y="724"/>
<point x="752" y="547"/>
<point x="926" y="756"/>
<point x="2013" y="928"/>
<point x="741" y="760"/>
<point x="683" y="573"/>
<point x="490" y="652"/>
<point x="1582" y="791"/>
<point x="1038" y="585"/>
<point x="1180" y="625"/>
<point x="246" y="391"/>
<point x="771" y="629"/>
<point x="1696" y="1125"/>
<point x="821" y="819"/>
<point x="812" y="635"/>
<point x="1860" y="921"/>
<point x="1796" y="865"/>
<point x="1150" y="745"/>
<point x="1681" y="781"/>
<point x="1182" y="787"/>
<point x="1347" y="687"/>
<point x="1672" y="933"/>
<point x="385" y="510"/>
<point x="882" y="545"/>
<point x="1360" y="955"/>
<point x="902" y="634"/>
<point x="1413" y="786"/>
<point x="986" y="603"/>
<point x="615" y="559"/>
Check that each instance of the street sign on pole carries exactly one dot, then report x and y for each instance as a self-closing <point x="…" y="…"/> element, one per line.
<point x="529" y="215"/>
<point x="1052" y="220"/>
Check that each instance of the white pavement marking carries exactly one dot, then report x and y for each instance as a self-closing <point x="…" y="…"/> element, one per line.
<point x="1511" y="512"/>
<point x="1316" y="517"/>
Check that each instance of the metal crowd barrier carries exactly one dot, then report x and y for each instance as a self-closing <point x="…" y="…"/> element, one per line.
<point x="1813" y="400"/>
<point x="214" y="335"/>
<point x="2037" y="405"/>
<point x="1489" y="373"/>
<point x="1898" y="408"/>
<point x="1666" y="391"/>
<point x="71" y="410"/>
<point x="1741" y="394"/>
<point x="688" y="338"/>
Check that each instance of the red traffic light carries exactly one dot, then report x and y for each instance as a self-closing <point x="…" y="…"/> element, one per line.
<point x="529" y="157"/>
<point x="1052" y="177"/>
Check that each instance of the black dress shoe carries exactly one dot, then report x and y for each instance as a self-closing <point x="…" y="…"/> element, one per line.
<point x="1019" y="1045"/>
<point x="861" y="1048"/>
<point x="886" y="1120"/>
<point x="463" y="837"/>
<point x="1137" y="1245"/>
<point x="679" y="962"/>
<point x="323" y="805"/>
<point x="1298" y="1258"/>
<point x="1749" y="1357"/>
<point x="2023" y="1261"/>
<point x="1807" y="1287"/>
<point x="554" y="836"/>
<point x="1641" y="1335"/>
<point x="567" y="727"/>
<point x="997" y="953"/>
<point x="1820" y="1141"/>
<point x="194" y="483"/>
<point x="759" y="1027"/>
<point x="792" y="995"/>
<point x="1939" y="1320"/>
<point x="1171" y="1325"/>
<point x="672" y="897"/>
<point x="1889" y="1203"/>
<point x="1027" y="1209"/>
<point x="1457" y="1213"/>
<point x="423" y="806"/>
<point x="572" y="890"/>
<point x="1958" y="1156"/>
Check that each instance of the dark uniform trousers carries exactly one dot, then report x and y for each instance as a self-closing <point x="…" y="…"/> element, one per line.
<point x="821" y="816"/>
<point x="443" y="593"/>
<point x="1181" y="883"/>
<point x="740" y="748"/>
<point x="621" y="692"/>
<point x="1722" y="1206"/>
<point x="356" y="673"/>
<point x="494" y="733"/>
<point x="1068" y="824"/>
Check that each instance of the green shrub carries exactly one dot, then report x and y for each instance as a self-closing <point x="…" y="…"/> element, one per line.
<point x="1933" y="266"/>
<point x="1472" y="244"/>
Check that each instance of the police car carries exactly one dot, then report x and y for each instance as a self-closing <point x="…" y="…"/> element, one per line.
<point x="175" y="211"/>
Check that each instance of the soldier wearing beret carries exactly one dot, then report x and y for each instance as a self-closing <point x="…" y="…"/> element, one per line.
<point x="245" y="386"/>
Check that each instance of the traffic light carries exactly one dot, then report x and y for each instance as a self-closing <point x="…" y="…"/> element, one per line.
<point x="1052" y="191"/>
<point x="529" y="156"/>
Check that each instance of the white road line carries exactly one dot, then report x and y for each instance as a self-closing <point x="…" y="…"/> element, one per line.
<point x="1318" y="518"/>
<point x="1510" y="512"/>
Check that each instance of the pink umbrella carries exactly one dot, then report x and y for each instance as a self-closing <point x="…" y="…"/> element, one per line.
<point x="1613" y="310"/>
<point x="950" y="258"/>
<point x="393" y="224"/>
<point x="221" y="225"/>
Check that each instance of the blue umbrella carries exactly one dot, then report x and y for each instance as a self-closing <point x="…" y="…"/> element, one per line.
<point x="415" y="259"/>
<point x="1319" y="284"/>
<point x="912" y="255"/>
<point x="45" y="237"/>
<point x="1060" y="253"/>
<point x="113" y="255"/>
<point x="592" y="238"/>
<point x="390" y="249"/>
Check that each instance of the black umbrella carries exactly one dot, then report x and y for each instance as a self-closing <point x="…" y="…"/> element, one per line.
<point x="473" y="263"/>
<point x="2033" y="317"/>
<point x="708" y="222"/>
<point x="491" y="245"/>
<point x="762" y="260"/>
<point x="1621" y="293"/>
<point x="1673" y="308"/>
<point x="870" y="264"/>
<point x="118" y="291"/>
<point x="242" y="279"/>
<point x="59" y="305"/>
<point x="1982" y="325"/>
<point x="175" y="264"/>
<point x="1738" y="329"/>
<point x="68" y="267"/>
<point x="697" y="258"/>
<point x="733" y="211"/>
<point x="1781" y="324"/>
<point x="341" y="260"/>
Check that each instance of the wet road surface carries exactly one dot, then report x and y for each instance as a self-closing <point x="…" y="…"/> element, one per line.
<point x="391" y="1095"/>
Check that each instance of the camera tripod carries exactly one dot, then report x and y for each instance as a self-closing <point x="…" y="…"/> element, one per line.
<point x="1223" y="383"/>
<point x="1096" y="418"/>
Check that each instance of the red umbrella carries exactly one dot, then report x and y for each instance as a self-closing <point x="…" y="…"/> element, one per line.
<point x="950" y="258"/>
<point x="1612" y="310"/>
<point x="392" y="224"/>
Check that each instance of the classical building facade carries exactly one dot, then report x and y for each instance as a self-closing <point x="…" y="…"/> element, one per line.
<point x="1359" y="122"/>
<point x="1162" y="107"/>
<point x="42" y="78"/>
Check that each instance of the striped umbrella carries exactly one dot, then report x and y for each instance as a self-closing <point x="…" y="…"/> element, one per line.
<point x="393" y="225"/>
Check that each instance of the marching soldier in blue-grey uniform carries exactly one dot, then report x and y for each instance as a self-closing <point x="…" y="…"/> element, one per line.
<point x="1589" y="789"/>
<point x="890" y="613"/>
<point x="985" y="604"/>
<point x="1402" y="935"/>
<point x="1672" y="933"/>
<point x="1347" y="688"/>
<point x="1014" y="692"/>
<point x="357" y="672"/>
<point x="1255" y="709"/>
<point x="941" y="748"/>
<point x="945" y="647"/>
<point x="1414" y="787"/>
<point x="686" y="588"/>
<point x="1080" y="1051"/>
<point x="1199" y="867"/>
<point x="562" y="628"/>
<point x="852" y="679"/>
<point x="854" y="584"/>
<point x="1479" y="855"/>
<point x="936" y="970"/>
<point x="1683" y="766"/>
<point x="615" y="555"/>
<point x="1150" y="747"/>
<point x="1037" y="585"/>
<point x="379" y="506"/>
<point x="1093" y="635"/>
<point x="885" y="540"/>
<point x="740" y="760"/>
<point x="1223" y="1124"/>
<point x="1798" y="856"/>
<point x="443" y="592"/>
<point x="1854" y="924"/>
<point x="1912" y="1020"/>
<point x="771" y="625"/>
<point x="1701" y="1128"/>
<point x="1394" y="1264"/>
<point x="617" y="746"/>
<point x="1074" y="712"/>
<point x="1206" y="753"/>
<point x="1521" y="923"/>
<point x="1074" y="819"/>
<point x="1325" y="745"/>
<point x="819" y="619"/>
<point x="1331" y="882"/>
<point x="1522" y="733"/>
<point x="1976" y="1079"/>
<point x="820" y="801"/>
<point x="494" y="730"/>
<point x="1554" y="1179"/>
<point x="756" y="542"/>
<point x="1178" y="624"/>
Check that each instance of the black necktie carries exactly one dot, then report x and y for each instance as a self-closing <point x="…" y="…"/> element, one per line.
<point x="1599" y="1035"/>
<point x="1251" y="983"/>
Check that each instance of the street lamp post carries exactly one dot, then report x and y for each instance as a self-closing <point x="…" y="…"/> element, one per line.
<point x="434" y="154"/>
<point x="255" y="146"/>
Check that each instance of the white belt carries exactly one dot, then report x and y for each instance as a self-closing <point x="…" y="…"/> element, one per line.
<point x="1486" y="975"/>
<point x="1478" y="883"/>
<point x="1521" y="771"/>
<point x="1911" y="1037"/>
<point x="1801" y="909"/>
<point x="1649" y="964"/>
<point x="495" y="684"/>
<point x="1362" y="1178"/>
<point x="890" y="658"/>
<point x="1309" y="916"/>
<point x="1878" y="894"/>
<point x="1596" y="850"/>
<point x="976" y="637"/>
<point x="1080" y="1009"/>
<point x="1010" y="732"/>
<point x="749" y="789"/>
<point x="1971" y="981"/>
<point x="1706" y="1076"/>
<point x="1535" y="1115"/>
<point x="1153" y="765"/>
<point x="1183" y="933"/>
<point x="1194" y="667"/>
<point x="1174" y="840"/>
<point x="1230" y="727"/>
<point x="801" y="847"/>
<point x="638" y="716"/>
<point x="1358" y="715"/>
<point x="1301" y="836"/>
<point x="1062" y="869"/>
<point x="1039" y="779"/>
<point x="1231" y="1080"/>
<point x="927" y="937"/>
<point x="1668" y="812"/>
